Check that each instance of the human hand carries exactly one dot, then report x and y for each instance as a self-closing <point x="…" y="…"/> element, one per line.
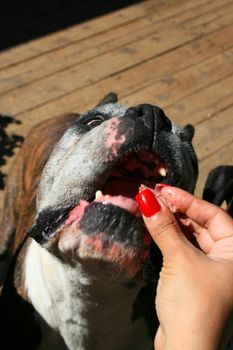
<point x="195" y="290"/>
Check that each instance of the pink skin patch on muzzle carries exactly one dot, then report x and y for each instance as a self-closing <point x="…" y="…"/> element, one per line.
<point x="113" y="142"/>
<point x="128" y="259"/>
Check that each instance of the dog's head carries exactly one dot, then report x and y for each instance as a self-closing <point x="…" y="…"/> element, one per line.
<point x="86" y="209"/>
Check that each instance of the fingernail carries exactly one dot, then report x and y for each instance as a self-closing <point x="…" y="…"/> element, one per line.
<point x="158" y="187"/>
<point x="148" y="203"/>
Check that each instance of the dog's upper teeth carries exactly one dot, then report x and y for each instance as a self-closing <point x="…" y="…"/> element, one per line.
<point x="98" y="194"/>
<point x="162" y="172"/>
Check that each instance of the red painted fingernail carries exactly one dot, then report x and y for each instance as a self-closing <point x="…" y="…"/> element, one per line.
<point x="160" y="186"/>
<point x="148" y="203"/>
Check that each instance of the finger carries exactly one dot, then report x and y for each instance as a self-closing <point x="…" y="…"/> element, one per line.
<point x="161" y="224"/>
<point x="197" y="235"/>
<point x="205" y="214"/>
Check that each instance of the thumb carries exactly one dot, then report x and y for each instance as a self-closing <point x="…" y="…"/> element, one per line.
<point x="161" y="224"/>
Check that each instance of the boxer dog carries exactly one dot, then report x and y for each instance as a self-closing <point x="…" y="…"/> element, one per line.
<point x="219" y="187"/>
<point x="78" y="267"/>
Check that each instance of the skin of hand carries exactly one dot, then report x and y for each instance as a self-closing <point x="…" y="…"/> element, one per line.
<point x="194" y="297"/>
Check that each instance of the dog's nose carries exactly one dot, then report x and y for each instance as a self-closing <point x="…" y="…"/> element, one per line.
<point x="150" y="115"/>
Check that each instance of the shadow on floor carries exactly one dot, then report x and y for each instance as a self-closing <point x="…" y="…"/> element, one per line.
<point x="8" y="143"/>
<point x="24" y="20"/>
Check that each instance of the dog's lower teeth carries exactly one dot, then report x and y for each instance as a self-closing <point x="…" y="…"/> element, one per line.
<point x="162" y="172"/>
<point x="98" y="194"/>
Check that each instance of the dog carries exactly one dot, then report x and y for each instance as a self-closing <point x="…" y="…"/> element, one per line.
<point x="219" y="187"/>
<point x="78" y="267"/>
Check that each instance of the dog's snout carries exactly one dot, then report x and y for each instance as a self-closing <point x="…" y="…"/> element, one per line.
<point x="150" y="114"/>
<point x="141" y="111"/>
<point x="161" y="120"/>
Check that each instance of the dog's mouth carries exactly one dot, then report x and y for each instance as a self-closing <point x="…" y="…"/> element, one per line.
<point x="108" y="225"/>
<point x="110" y="222"/>
<point x="123" y="182"/>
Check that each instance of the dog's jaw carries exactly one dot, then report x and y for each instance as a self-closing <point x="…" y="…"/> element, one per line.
<point x="86" y="299"/>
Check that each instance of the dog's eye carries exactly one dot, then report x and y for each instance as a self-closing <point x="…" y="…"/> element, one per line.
<point x="94" y="121"/>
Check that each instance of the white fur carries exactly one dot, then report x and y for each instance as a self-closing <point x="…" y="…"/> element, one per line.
<point x="176" y="129"/>
<point x="91" y="311"/>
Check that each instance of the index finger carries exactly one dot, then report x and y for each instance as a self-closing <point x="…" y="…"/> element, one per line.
<point x="204" y="213"/>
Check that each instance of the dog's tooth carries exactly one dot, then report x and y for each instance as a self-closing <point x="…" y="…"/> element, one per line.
<point x="98" y="194"/>
<point x="162" y="172"/>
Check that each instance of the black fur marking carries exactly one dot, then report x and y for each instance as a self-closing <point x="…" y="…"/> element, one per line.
<point x="47" y="223"/>
<point x="117" y="224"/>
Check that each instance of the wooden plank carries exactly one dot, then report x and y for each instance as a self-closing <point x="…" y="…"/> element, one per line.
<point x="204" y="104"/>
<point x="72" y="55"/>
<point x="93" y="28"/>
<point x="214" y="133"/>
<point x="144" y="49"/>
<point x="85" y="74"/>
<point x="210" y="20"/>
<point x="222" y="157"/>
<point x="199" y="15"/>
<point x="131" y="80"/>
<point x="177" y="86"/>
<point x="74" y="84"/>
<point x="49" y="89"/>
<point x="213" y="143"/>
<point x="69" y="35"/>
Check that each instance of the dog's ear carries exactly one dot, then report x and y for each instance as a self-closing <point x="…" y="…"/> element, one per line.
<point x="109" y="98"/>
<point x="187" y="133"/>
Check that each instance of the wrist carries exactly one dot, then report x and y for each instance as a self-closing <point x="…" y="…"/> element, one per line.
<point x="190" y="341"/>
<point x="203" y="332"/>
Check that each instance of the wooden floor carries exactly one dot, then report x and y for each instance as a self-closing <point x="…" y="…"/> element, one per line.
<point x="176" y="54"/>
